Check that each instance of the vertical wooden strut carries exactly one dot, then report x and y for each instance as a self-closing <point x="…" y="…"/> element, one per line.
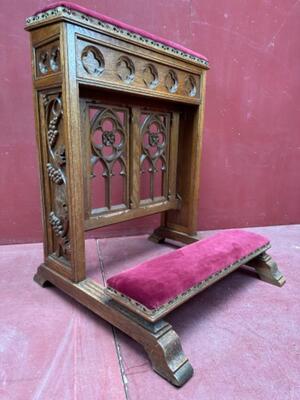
<point x="181" y="225"/>
<point x="74" y="154"/>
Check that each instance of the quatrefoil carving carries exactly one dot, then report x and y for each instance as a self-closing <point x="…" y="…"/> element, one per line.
<point x="190" y="86"/>
<point x="125" y="69"/>
<point x="171" y="81"/>
<point x="150" y="76"/>
<point x="92" y="60"/>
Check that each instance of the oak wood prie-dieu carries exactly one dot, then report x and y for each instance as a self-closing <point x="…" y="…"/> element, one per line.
<point x="115" y="106"/>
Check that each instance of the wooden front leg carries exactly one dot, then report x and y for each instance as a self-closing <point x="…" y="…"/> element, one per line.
<point x="267" y="269"/>
<point x="167" y="357"/>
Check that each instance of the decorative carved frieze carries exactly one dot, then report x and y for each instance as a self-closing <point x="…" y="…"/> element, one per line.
<point x="111" y="67"/>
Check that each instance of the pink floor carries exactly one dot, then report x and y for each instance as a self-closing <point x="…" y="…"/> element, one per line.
<point x="241" y="335"/>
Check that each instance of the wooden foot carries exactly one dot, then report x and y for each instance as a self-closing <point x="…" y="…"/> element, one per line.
<point x="267" y="269"/>
<point x="156" y="237"/>
<point x="168" y="359"/>
<point x="159" y="340"/>
<point x="161" y="234"/>
<point x="40" y="279"/>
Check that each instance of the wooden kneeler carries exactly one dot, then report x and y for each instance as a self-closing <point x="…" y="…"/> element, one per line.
<point x="120" y="109"/>
<point x="136" y="300"/>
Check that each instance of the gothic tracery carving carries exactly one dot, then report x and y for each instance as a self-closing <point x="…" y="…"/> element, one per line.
<point x="154" y="132"/>
<point x="150" y="76"/>
<point x="171" y="81"/>
<point x="109" y="147"/>
<point x="125" y="69"/>
<point x="190" y="86"/>
<point x="48" y="58"/>
<point x="92" y="60"/>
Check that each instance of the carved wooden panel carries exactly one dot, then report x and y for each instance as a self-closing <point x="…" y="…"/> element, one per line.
<point x="190" y="84"/>
<point x="58" y="217"/>
<point x="150" y="76"/>
<point x="108" y="157"/>
<point x="122" y="70"/>
<point x="171" y="81"/>
<point x="47" y="59"/>
<point x="154" y="158"/>
<point x="92" y="60"/>
<point x="125" y="69"/>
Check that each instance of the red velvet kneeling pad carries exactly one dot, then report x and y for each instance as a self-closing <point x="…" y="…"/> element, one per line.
<point x="157" y="281"/>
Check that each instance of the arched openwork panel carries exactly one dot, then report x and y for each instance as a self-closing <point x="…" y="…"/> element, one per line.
<point x="154" y="155"/>
<point x="109" y="146"/>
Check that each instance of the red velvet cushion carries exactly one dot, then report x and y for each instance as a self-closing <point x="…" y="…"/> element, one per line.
<point x="120" y="24"/>
<point x="155" y="282"/>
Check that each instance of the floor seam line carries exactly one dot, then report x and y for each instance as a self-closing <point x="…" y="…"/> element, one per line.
<point x="121" y="364"/>
<point x="114" y="332"/>
<point x="101" y="262"/>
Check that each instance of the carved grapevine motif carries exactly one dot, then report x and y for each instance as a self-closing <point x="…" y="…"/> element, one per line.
<point x="58" y="217"/>
<point x="55" y="174"/>
<point x="57" y="224"/>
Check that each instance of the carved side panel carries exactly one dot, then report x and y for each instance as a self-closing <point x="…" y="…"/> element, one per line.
<point x="154" y="154"/>
<point x="58" y="217"/>
<point x="47" y="59"/>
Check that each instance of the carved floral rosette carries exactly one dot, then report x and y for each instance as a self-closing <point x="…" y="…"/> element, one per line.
<point x="58" y="217"/>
